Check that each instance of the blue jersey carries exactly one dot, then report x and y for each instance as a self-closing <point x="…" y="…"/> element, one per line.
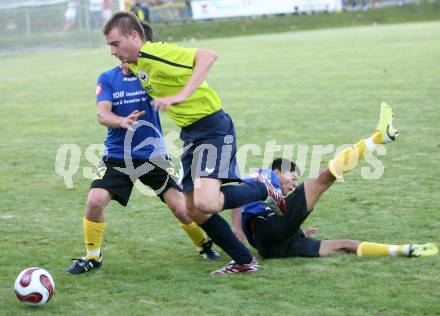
<point x="253" y="209"/>
<point x="126" y="95"/>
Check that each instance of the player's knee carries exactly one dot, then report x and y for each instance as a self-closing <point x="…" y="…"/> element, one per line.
<point x="179" y="211"/>
<point x="95" y="204"/>
<point x="207" y="206"/>
<point x="197" y="216"/>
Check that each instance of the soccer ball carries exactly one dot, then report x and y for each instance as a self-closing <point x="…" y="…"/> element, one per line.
<point x="34" y="286"/>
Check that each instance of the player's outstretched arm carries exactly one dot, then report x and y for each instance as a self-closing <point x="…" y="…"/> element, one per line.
<point x="309" y="232"/>
<point x="236" y="224"/>
<point x="107" y="118"/>
<point x="203" y="62"/>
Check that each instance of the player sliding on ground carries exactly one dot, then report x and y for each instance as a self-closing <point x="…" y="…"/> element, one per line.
<point x="281" y="236"/>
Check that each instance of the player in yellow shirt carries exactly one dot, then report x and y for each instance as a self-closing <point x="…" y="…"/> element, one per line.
<point x="124" y="107"/>
<point x="175" y="77"/>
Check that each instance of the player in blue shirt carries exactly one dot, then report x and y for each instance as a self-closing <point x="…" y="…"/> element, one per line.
<point x="134" y="149"/>
<point x="280" y="236"/>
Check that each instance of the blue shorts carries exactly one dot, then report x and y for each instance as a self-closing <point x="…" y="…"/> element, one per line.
<point x="209" y="150"/>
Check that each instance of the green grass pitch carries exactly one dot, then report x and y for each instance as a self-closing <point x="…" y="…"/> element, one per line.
<point x="311" y="87"/>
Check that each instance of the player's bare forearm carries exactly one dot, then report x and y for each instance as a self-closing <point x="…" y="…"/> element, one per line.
<point x="236" y="224"/>
<point x="202" y="65"/>
<point x="203" y="62"/>
<point x="236" y="217"/>
<point x="107" y="118"/>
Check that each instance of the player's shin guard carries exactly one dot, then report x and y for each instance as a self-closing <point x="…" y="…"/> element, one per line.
<point x="93" y="233"/>
<point x="243" y="193"/>
<point x="221" y="234"/>
<point x="195" y="233"/>
<point x="348" y="159"/>
<point x="366" y="248"/>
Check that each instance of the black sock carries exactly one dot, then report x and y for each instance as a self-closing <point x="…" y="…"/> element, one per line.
<point x="246" y="192"/>
<point x="221" y="234"/>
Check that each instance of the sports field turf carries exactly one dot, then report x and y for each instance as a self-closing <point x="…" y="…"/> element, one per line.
<point x="315" y="87"/>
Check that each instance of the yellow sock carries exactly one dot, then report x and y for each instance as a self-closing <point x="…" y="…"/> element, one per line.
<point x="347" y="159"/>
<point x="376" y="138"/>
<point x="195" y="233"/>
<point x="366" y="248"/>
<point x="93" y="233"/>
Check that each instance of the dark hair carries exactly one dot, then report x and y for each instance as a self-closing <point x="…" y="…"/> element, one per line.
<point x="125" y="22"/>
<point x="148" y="31"/>
<point x="283" y="165"/>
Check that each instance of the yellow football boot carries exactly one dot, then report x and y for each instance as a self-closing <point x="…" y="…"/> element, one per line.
<point x="385" y="126"/>
<point x="423" y="250"/>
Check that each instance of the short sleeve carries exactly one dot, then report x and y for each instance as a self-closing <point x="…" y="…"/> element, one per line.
<point x="104" y="91"/>
<point x="183" y="56"/>
<point x="169" y="59"/>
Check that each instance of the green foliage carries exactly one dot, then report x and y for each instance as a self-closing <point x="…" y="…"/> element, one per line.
<point x="308" y="87"/>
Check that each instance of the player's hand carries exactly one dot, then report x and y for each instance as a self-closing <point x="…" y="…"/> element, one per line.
<point x="310" y="232"/>
<point x="239" y="233"/>
<point x="165" y="103"/>
<point x="130" y="120"/>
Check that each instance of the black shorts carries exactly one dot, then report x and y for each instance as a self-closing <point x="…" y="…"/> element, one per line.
<point x="210" y="146"/>
<point x="118" y="178"/>
<point x="281" y="236"/>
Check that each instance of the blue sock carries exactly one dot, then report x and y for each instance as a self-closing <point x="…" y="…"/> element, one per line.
<point x="246" y="192"/>
<point x="221" y="234"/>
